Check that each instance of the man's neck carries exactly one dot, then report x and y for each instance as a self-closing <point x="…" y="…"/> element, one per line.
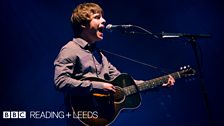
<point x="87" y="39"/>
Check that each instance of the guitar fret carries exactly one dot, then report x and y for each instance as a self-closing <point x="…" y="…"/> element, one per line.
<point x="130" y="90"/>
<point x="127" y="90"/>
<point x="151" y="83"/>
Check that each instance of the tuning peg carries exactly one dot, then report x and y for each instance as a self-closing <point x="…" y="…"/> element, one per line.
<point x="181" y="68"/>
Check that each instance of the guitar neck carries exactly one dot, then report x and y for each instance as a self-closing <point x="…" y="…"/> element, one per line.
<point x="150" y="83"/>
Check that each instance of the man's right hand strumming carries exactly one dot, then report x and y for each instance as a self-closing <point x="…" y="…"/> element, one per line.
<point x="107" y="87"/>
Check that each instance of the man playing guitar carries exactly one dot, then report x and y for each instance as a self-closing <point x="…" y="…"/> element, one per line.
<point x="80" y="59"/>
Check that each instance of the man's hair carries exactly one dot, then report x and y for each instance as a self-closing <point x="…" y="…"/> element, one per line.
<point x="81" y="16"/>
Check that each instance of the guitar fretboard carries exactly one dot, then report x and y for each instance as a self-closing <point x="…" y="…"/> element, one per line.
<point x="149" y="84"/>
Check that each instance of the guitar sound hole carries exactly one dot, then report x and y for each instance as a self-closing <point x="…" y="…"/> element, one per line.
<point x="119" y="95"/>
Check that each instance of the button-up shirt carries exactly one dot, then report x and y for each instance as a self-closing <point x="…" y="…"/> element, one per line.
<point x="77" y="60"/>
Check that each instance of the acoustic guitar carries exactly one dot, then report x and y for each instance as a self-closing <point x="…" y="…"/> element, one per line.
<point x="106" y="107"/>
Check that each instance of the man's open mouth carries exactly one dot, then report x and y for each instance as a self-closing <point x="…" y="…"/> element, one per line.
<point x="100" y="29"/>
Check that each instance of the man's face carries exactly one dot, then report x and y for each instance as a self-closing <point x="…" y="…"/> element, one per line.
<point x="95" y="28"/>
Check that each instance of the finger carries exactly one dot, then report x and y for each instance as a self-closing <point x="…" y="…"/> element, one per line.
<point x="165" y="84"/>
<point x="109" y="90"/>
<point x="112" y="88"/>
<point x="168" y="84"/>
<point x="171" y="82"/>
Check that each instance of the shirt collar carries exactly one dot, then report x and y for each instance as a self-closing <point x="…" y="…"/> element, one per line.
<point x="84" y="44"/>
<point x="81" y="42"/>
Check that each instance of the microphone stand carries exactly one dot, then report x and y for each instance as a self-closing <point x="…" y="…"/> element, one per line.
<point x="196" y="48"/>
<point x="197" y="52"/>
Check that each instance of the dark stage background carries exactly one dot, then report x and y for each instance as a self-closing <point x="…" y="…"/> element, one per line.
<point x="33" y="31"/>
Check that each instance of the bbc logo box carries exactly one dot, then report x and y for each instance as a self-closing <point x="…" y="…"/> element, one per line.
<point x="14" y="114"/>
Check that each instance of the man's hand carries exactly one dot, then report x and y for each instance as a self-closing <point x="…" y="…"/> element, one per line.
<point x="170" y="82"/>
<point x="105" y="86"/>
<point x="108" y="86"/>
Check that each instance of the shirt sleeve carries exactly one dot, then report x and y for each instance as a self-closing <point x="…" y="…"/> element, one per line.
<point x="64" y="67"/>
<point x="113" y="72"/>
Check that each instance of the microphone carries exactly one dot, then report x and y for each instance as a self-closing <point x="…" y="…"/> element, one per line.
<point x="111" y="27"/>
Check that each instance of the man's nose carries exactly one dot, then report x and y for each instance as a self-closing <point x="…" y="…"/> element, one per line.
<point x="103" y="20"/>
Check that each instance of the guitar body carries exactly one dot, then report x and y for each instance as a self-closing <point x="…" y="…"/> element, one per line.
<point x="106" y="107"/>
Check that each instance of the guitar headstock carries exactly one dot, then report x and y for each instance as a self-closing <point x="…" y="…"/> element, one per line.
<point x="187" y="71"/>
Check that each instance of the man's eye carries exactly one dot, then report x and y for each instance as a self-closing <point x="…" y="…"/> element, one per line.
<point x="97" y="17"/>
